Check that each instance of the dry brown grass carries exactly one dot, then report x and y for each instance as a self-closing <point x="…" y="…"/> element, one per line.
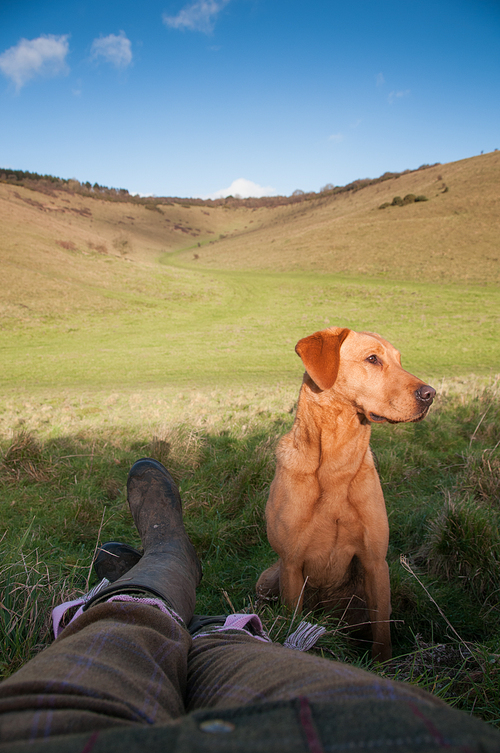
<point x="451" y="237"/>
<point x="24" y="460"/>
<point x="180" y="448"/>
<point x="59" y="252"/>
<point x="94" y="224"/>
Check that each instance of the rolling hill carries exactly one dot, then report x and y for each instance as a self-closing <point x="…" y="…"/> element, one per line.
<point x="124" y="292"/>
<point x="452" y="236"/>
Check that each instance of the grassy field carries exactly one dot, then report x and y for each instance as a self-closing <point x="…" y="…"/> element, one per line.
<point x="122" y="344"/>
<point x="211" y="328"/>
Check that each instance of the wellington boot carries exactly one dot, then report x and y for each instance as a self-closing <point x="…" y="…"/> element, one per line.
<point x="114" y="559"/>
<point x="169" y="567"/>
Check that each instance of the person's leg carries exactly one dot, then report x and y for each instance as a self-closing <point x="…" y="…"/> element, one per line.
<point x="277" y="699"/>
<point x="118" y="663"/>
<point x="123" y="661"/>
<point x="228" y="668"/>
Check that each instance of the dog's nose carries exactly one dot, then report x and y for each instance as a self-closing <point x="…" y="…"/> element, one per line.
<point x="426" y="393"/>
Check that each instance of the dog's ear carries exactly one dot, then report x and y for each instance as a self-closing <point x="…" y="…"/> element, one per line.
<point x="320" y="355"/>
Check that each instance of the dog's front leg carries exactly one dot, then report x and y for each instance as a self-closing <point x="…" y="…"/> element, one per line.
<point x="378" y="601"/>
<point x="291" y="585"/>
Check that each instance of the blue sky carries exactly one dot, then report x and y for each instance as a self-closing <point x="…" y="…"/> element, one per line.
<point x="180" y="98"/>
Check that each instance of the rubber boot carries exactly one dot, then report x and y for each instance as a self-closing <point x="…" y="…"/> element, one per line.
<point x="169" y="568"/>
<point x="114" y="559"/>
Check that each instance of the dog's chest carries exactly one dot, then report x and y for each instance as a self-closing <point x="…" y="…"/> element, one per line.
<point x="334" y="534"/>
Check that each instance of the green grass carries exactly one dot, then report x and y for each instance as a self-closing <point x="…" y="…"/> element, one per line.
<point x="62" y="480"/>
<point x="105" y="360"/>
<point x="209" y="328"/>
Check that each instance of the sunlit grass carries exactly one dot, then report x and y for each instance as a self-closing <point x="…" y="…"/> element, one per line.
<point x="110" y="357"/>
<point x="62" y="484"/>
<point x="244" y="330"/>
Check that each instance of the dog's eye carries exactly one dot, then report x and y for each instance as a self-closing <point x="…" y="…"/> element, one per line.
<point x="373" y="359"/>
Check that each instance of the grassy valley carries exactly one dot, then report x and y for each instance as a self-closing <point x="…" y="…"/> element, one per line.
<point x="450" y="237"/>
<point x="167" y="327"/>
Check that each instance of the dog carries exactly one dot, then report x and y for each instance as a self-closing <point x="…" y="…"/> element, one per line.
<point x="326" y="516"/>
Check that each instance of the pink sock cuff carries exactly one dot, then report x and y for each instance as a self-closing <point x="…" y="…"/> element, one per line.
<point x="150" y="602"/>
<point x="250" y="624"/>
<point x="59" y="612"/>
<point x="302" y="639"/>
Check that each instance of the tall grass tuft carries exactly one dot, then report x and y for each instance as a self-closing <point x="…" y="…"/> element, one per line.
<point x="179" y="448"/>
<point x="24" y="460"/>
<point x="481" y="477"/>
<point x="464" y="543"/>
<point x="29" y="590"/>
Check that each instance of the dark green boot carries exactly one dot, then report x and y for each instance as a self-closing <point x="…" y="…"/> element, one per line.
<point x="114" y="559"/>
<point x="169" y="568"/>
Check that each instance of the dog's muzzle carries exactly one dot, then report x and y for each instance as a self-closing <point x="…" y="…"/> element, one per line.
<point x="424" y="397"/>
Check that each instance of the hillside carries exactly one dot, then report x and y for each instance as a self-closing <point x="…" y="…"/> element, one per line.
<point x="61" y="252"/>
<point x="453" y="236"/>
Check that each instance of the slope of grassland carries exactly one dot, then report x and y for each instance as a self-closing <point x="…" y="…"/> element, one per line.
<point x="84" y="301"/>
<point x="60" y="253"/>
<point x="109" y="355"/>
<point x="454" y="236"/>
<point x="451" y="237"/>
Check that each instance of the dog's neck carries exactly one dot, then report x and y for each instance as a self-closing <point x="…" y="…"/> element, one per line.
<point x="326" y="420"/>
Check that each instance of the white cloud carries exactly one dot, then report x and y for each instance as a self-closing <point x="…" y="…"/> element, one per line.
<point x="380" y="79"/>
<point x="78" y="88"/>
<point x="199" y="16"/>
<point x="43" y="56"/>
<point x="397" y="95"/>
<point x="115" y="49"/>
<point x="243" y="189"/>
<point x="336" y="137"/>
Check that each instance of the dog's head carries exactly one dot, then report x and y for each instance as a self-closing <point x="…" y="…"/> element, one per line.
<point x="365" y="370"/>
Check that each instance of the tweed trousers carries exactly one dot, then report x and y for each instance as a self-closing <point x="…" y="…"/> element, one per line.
<point x="128" y="677"/>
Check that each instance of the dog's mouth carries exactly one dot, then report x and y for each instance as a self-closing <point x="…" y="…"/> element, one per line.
<point x="377" y="419"/>
<point x="382" y="419"/>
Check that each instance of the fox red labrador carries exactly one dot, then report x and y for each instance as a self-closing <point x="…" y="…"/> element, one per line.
<point x="326" y="516"/>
